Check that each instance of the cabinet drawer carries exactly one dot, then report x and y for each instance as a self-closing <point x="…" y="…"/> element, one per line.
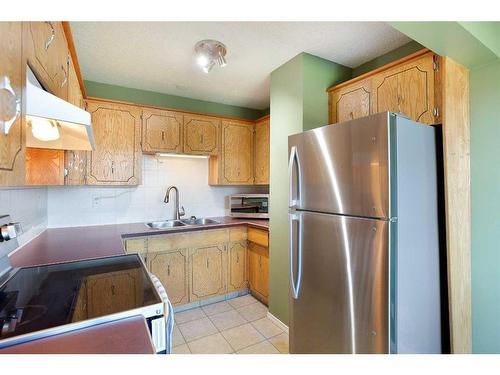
<point x="187" y="240"/>
<point x="136" y="245"/>
<point x="258" y="236"/>
<point x="238" y="234"/>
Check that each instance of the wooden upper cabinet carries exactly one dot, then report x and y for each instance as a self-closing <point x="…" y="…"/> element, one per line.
<point x="201" y="135"/>
<point x="161" y="131"/>
<point x="237" y="152"/>
<point x="44" y="166"/>
<point x="349" y="103"/>
<point x="47" y="55"/>
<point x="407" y="89"/>
<point x="75" y="162"/>
<point x="171" y="269"/>
<point x="117" y="159"/>
<point x="11" y="66"/>
<point x="408" y="86"/>
<point x="261" y="173"/>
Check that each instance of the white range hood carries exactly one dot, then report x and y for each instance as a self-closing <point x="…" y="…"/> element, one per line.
<point x="54" y="123"/>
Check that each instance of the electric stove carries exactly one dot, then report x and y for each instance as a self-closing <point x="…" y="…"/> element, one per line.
<point x="40" y="301"/>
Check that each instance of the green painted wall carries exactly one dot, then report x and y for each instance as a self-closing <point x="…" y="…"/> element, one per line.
<point x="487" y="32"/>
<point x="451" y="39"/>
<point x="103" y="90"/>
<point x="298" y="102"/>
<point x="485" y="200"/>
<point x="391" y="56"/>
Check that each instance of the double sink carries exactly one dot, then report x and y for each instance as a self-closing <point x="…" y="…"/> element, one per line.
<point x="180" y="223"/>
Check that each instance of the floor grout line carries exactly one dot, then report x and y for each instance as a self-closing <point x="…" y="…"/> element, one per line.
<point x="205" y="315"/>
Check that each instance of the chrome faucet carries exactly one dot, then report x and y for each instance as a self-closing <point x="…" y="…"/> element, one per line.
<point x="178" y="212"/>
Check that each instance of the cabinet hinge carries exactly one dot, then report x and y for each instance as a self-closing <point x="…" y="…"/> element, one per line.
<point x="435" y="112"/>
<point x="435" y="63"/>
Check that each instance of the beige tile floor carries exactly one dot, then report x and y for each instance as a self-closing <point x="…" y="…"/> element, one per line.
<point x="239" y="325"/>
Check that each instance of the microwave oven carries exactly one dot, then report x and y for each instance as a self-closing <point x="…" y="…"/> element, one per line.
<point x="249" y="206"/>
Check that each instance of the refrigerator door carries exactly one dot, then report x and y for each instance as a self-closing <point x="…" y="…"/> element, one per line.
<point x="339" y="304"/>
<point x="342" y="168"/>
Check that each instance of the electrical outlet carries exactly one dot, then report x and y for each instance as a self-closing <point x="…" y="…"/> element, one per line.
<point x="96" y="200"/>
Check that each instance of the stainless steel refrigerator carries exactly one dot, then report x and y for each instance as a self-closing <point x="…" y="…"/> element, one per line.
<point x="364" y="239"/>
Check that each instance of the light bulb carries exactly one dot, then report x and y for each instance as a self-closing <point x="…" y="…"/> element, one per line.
<point x="44" y="130"/>
<point x="202" y="60"/>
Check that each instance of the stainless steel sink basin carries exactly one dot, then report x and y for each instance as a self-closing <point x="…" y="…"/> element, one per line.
<point x="165" y="224"/>
<point x="200" y="221"/>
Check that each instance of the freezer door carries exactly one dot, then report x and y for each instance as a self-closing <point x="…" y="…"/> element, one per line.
<point x="342" y="168"/>
<point x="341" y="299"/>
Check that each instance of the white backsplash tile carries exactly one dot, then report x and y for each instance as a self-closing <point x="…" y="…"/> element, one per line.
<point x="27" y="206"/>
<point x="93" y="205"/>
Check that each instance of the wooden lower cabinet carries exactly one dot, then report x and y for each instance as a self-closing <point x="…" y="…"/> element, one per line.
<point x="193" y="266"/>
<point x="258" y="271"/>
<point x="207" y="270"/>
<point x="171" y="268"/>
<point x="237" y="266"/>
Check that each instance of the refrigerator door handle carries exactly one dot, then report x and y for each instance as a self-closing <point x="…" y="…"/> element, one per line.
<point x="295" y="287"/>
<point x="294" y="159"/>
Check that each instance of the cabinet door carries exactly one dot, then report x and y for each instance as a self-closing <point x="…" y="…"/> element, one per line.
<point x="261" y="174"/>
<point x="237" y="153"/>
<point x="113" y="292"/>
<point x="11" y="144"/>
<point x="117" y="158"/>
<point x="44" y="166"/>
<point x="75" y="162"/>
<point x="171" y="268"/>
<point x="161" y="131"/>
<point x="258" y="271"/>
<point x="350" y="102"/>
<point x="207" y="272"/>
<point x="408" y="89"/>
<point x="47" y="55"/>
<point x="237" y="278"/>
<point x="201" y="135"/>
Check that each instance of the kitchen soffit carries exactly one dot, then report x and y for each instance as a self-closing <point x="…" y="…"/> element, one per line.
<point x="159" y="56"/>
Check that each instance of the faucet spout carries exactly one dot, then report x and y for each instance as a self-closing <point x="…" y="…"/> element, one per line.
<point x="177" y="212"/>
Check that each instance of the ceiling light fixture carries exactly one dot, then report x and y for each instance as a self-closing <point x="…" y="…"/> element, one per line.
<point x="210" y="52"/>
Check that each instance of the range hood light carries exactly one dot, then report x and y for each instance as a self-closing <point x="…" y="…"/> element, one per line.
<point x="55" y="123"/>
<point x="43" y="129"/>
<point x="165" y="154"/>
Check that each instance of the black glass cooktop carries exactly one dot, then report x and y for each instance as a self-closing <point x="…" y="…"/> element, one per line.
<point x="37" y="298"/>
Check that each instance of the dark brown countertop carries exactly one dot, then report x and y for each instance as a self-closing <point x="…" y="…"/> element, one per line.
<point x="57" y="245"/>
<point x="124" y="336"/>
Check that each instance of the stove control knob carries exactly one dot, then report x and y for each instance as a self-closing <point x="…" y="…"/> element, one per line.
<point x="10" y="231"/>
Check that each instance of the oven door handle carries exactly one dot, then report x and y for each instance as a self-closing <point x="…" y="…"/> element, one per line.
<point x="169" y="326"/>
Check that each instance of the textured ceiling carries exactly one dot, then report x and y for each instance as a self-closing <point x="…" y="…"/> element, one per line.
<point x="158" y="56"/>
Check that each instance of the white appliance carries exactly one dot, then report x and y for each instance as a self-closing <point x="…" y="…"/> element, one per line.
<point x="54" y="123"/>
